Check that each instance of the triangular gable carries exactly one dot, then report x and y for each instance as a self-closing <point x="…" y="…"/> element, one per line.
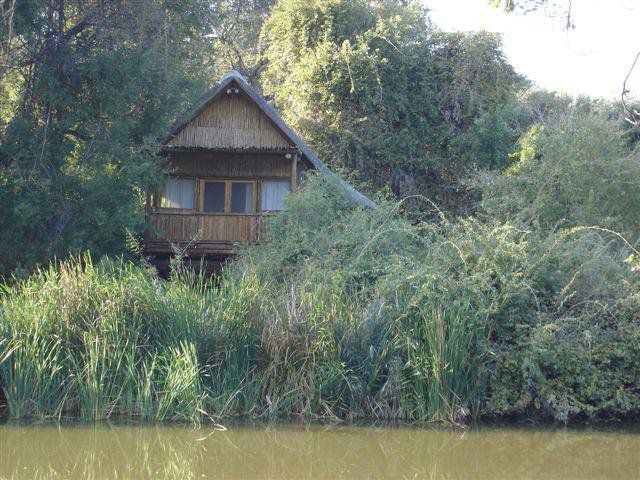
<point x="231" y="120"/>
<point x="230" y="81"/>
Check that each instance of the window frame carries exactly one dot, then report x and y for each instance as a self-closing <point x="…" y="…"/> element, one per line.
<point x="227" y="194"/>
<point x="273" y="179"/>
<point x="160" y="195"/>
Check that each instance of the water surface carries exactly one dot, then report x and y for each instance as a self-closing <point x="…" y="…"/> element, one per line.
<point x="314" y="451"/>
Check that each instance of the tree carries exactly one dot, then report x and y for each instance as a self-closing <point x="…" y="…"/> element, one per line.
<point x="564" y="10"/>
<point x="378" y="90"/>
<point x="236" y="37"/>
<point x="557" y="8"/>
<point x="571" y="170"/>
<point x="94" y="84"/>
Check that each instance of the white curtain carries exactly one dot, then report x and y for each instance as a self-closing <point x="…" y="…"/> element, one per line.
<point x="273" y="193"/>
<point x="178" y="193"/>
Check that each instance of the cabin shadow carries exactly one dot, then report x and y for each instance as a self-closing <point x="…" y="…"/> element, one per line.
<point x="208" y="264"/>
<point x="231" y="160"/>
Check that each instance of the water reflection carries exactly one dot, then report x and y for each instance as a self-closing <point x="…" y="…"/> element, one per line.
<point x="313" y="451"/>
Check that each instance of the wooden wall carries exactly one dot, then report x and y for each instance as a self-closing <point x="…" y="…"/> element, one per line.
<point x="178" y="228"/>
<point x="230" y="165"/>
<point x="201" y="233"/>
<point x="231" y="121"/>
<point x="215" y="233"/>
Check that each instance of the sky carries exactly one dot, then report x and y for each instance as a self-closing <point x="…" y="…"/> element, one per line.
<point x="593" y="58"/>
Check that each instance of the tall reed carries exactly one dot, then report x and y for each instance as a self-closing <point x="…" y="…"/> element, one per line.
<point x="97" y="341"/>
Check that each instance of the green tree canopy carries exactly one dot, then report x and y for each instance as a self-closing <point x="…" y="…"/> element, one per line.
<point x="571" y="170"/>
<point x="93" y="85"/>
<point x="374" y="86"/>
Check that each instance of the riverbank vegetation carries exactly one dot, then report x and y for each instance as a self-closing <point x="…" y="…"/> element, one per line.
<point x="497" y="277"/>
<point x="350" y="314"/>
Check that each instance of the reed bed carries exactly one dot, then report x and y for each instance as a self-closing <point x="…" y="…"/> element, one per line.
<point x="340" y="313"/>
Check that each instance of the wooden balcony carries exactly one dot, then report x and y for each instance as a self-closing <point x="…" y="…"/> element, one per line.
<point x="203" y="232"/>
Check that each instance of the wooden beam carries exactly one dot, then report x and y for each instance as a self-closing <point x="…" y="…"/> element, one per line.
<point x="167" y="150"/>
<point x="294" y="173"/>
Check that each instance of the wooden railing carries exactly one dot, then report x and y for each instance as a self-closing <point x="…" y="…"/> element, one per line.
<point x="204" y="227"/>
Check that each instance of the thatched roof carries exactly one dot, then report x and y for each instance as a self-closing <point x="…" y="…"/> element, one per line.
<point x="235" y="77"/>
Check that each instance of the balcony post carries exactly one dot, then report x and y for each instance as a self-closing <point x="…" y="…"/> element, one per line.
<point x="294" y="172"/>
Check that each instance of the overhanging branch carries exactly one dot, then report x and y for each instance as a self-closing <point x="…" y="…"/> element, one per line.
<point x="631" y="114"/>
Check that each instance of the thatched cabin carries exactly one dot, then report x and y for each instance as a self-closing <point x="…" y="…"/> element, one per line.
<point x="232" y="160"/>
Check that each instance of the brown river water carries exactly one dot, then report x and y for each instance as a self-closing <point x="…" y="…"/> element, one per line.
<point x="315" y="451"/>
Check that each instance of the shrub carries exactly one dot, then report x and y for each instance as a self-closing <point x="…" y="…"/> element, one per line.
<point x="569" y="172"/>
<point x="341" y="312"/>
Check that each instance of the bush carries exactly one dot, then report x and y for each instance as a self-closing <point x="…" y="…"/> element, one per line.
<point x="341" y="312"/>
<point x="577" y="356"/>
<point x="434" y="320"/>
<point x="569" y="172"/>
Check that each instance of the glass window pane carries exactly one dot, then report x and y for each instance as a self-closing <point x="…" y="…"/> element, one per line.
<point x="213" y="201"/>
<point x="178" y="193"/>
<point x="241" y="197"/>
<point x="273" y="194"/>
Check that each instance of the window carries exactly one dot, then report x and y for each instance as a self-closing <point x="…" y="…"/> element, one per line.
<point x="273" y="193"/>
<point x="241" y="197"/>
<point x="213" y="197"/>
<point x="227" y="196"/>
<point x="178" y="193"/>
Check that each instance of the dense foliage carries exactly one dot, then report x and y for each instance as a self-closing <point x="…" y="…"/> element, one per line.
<point x="352" y="314"/>
<point x="389" y="95"/>
<point x="576" y="170"/>
<point x="95" y="84"/>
